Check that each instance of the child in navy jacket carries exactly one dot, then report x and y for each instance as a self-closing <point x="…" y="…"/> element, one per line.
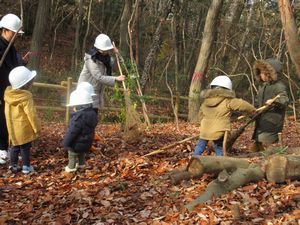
<point x="80" y="133"/>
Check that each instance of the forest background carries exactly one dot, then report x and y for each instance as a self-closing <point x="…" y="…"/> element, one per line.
<point x="171" y="42"/>
<point x="178" y="47"/>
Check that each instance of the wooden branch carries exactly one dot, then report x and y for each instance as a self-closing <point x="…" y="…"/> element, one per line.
<point x="171" y="145"/>
<point x="198" y="165"/>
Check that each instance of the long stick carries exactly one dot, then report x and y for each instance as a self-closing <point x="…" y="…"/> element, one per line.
<point x="139" y="92"/>
<point x="119" y="67"/>
<point x="171" y="145"/>
<point x="234" y="135"/>
<point x="262" y="108"/>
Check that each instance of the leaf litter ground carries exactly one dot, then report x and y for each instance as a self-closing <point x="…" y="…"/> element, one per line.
<point x="120" y="186"/>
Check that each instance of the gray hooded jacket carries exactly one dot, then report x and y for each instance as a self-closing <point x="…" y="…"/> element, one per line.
<point x="95" y="74"/>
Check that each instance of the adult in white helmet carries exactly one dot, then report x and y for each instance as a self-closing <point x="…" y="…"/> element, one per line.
<point x="215" y="111"/>
<point x="79" y="136"/>
<point x="9" y="25"/>
<point x="97" y="68"/>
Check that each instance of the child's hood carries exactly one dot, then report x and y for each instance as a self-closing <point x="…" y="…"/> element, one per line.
<point x="16" y="96"/>
<point x="213" y="97"/>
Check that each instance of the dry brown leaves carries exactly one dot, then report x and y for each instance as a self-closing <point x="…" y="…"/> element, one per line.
<point x="122" y="187"/>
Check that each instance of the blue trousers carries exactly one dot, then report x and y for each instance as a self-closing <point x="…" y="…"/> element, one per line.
<point x="25" y="152"/>
<point x="218" y="145"/>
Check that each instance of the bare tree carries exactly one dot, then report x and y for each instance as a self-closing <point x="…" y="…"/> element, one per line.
<point x="155" y="43"/>
<point x="290" y="32"/>
<point x="124" y="45"/>
<point x="209" y="34"/>
<point x="39" y="31"/>
<point x="76" y="49"/>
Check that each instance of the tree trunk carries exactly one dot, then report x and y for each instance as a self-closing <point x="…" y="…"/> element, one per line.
<point x="234" y="173"/>
<point x="241" y="44"/>
<point x="76" y="49"/>
<point x="290" y="32"/>
<point x="155" y="44"/>
<point x="199" y="165"/>
<point x="232" y="18"/>
<point x="226" y="183"/>
<point x="203" y="59"/>
<point x="39" y="31"/>
<point x="87" y="27"/>
<point x="137" y="33"/>
<point x="124" y="42"/>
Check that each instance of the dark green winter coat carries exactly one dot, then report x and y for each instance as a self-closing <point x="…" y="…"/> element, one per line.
<point x="270" y="123"/>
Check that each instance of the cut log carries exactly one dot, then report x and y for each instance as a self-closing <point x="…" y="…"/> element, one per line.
<point x="234" y="172"/>
<point x="280" y="168"/>
<point x="198" y="165"/>
<point x="215" y="164"/>
<point x="227" y="182"/>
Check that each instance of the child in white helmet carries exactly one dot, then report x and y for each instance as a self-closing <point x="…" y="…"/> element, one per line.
<point x="9" y="25"/>
<point x="215" y="111"/>
<point x="86" y="86"/>
<point x="21" y="118"/>
<point x="79" y="136"/>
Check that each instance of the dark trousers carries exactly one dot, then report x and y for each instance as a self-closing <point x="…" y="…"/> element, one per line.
<point x="3" y="129"/>
<point x="25" y="152"/>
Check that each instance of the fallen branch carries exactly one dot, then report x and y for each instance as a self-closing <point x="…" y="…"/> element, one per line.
<point x="239" y="172"/>
<point x="171" y="145"/>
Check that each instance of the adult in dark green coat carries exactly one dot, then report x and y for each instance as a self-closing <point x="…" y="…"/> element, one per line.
<point x="270" y="123"/>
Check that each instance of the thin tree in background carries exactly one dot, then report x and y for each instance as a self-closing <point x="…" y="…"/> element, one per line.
<point x="209" y="34"/>
<point x="124" y="45"/>
<point x="290" y="32"/>
<point x="76" y="50"/>
<point x="155" y="43"/>
<point x="39" y="31"/>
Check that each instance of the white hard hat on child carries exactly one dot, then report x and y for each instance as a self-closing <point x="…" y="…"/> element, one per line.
<point x="87" y="87"/>
<point x="19" y="76"/>
<point x="80" y="97"/>
<point x="11" y="22"/>
<point x="222" y="81"/>
<point x="103" y="42"/>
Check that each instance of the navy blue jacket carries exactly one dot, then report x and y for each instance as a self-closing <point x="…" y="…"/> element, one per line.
<point x="80" y="132"/>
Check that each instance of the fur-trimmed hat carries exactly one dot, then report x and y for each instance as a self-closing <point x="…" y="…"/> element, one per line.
<point x="271" y="67"/>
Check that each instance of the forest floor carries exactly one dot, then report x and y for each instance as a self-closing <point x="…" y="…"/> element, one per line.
<point x="120" y="186"/>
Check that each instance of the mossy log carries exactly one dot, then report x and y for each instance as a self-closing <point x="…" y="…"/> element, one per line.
<point x="234" y="173"/>
<point x="199" y="165"/>
<point x="227" y="182"/>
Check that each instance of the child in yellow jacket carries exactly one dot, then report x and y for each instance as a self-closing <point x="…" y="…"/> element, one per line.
<point x="215" y="111"/>
<point x="21" y="118"/>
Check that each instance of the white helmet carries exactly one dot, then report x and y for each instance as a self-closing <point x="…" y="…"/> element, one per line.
<point x="87" y="87"/>
<point x="80" y="97"/>
<point x="19" y="76"/>
<point x="222" y="81"/>
<point x="103" y="42"/>
<point x="11" y="22"/>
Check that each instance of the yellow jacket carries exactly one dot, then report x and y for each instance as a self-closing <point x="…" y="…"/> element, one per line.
<point x="216" y="110"/>
<point x="21" y="118"/>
